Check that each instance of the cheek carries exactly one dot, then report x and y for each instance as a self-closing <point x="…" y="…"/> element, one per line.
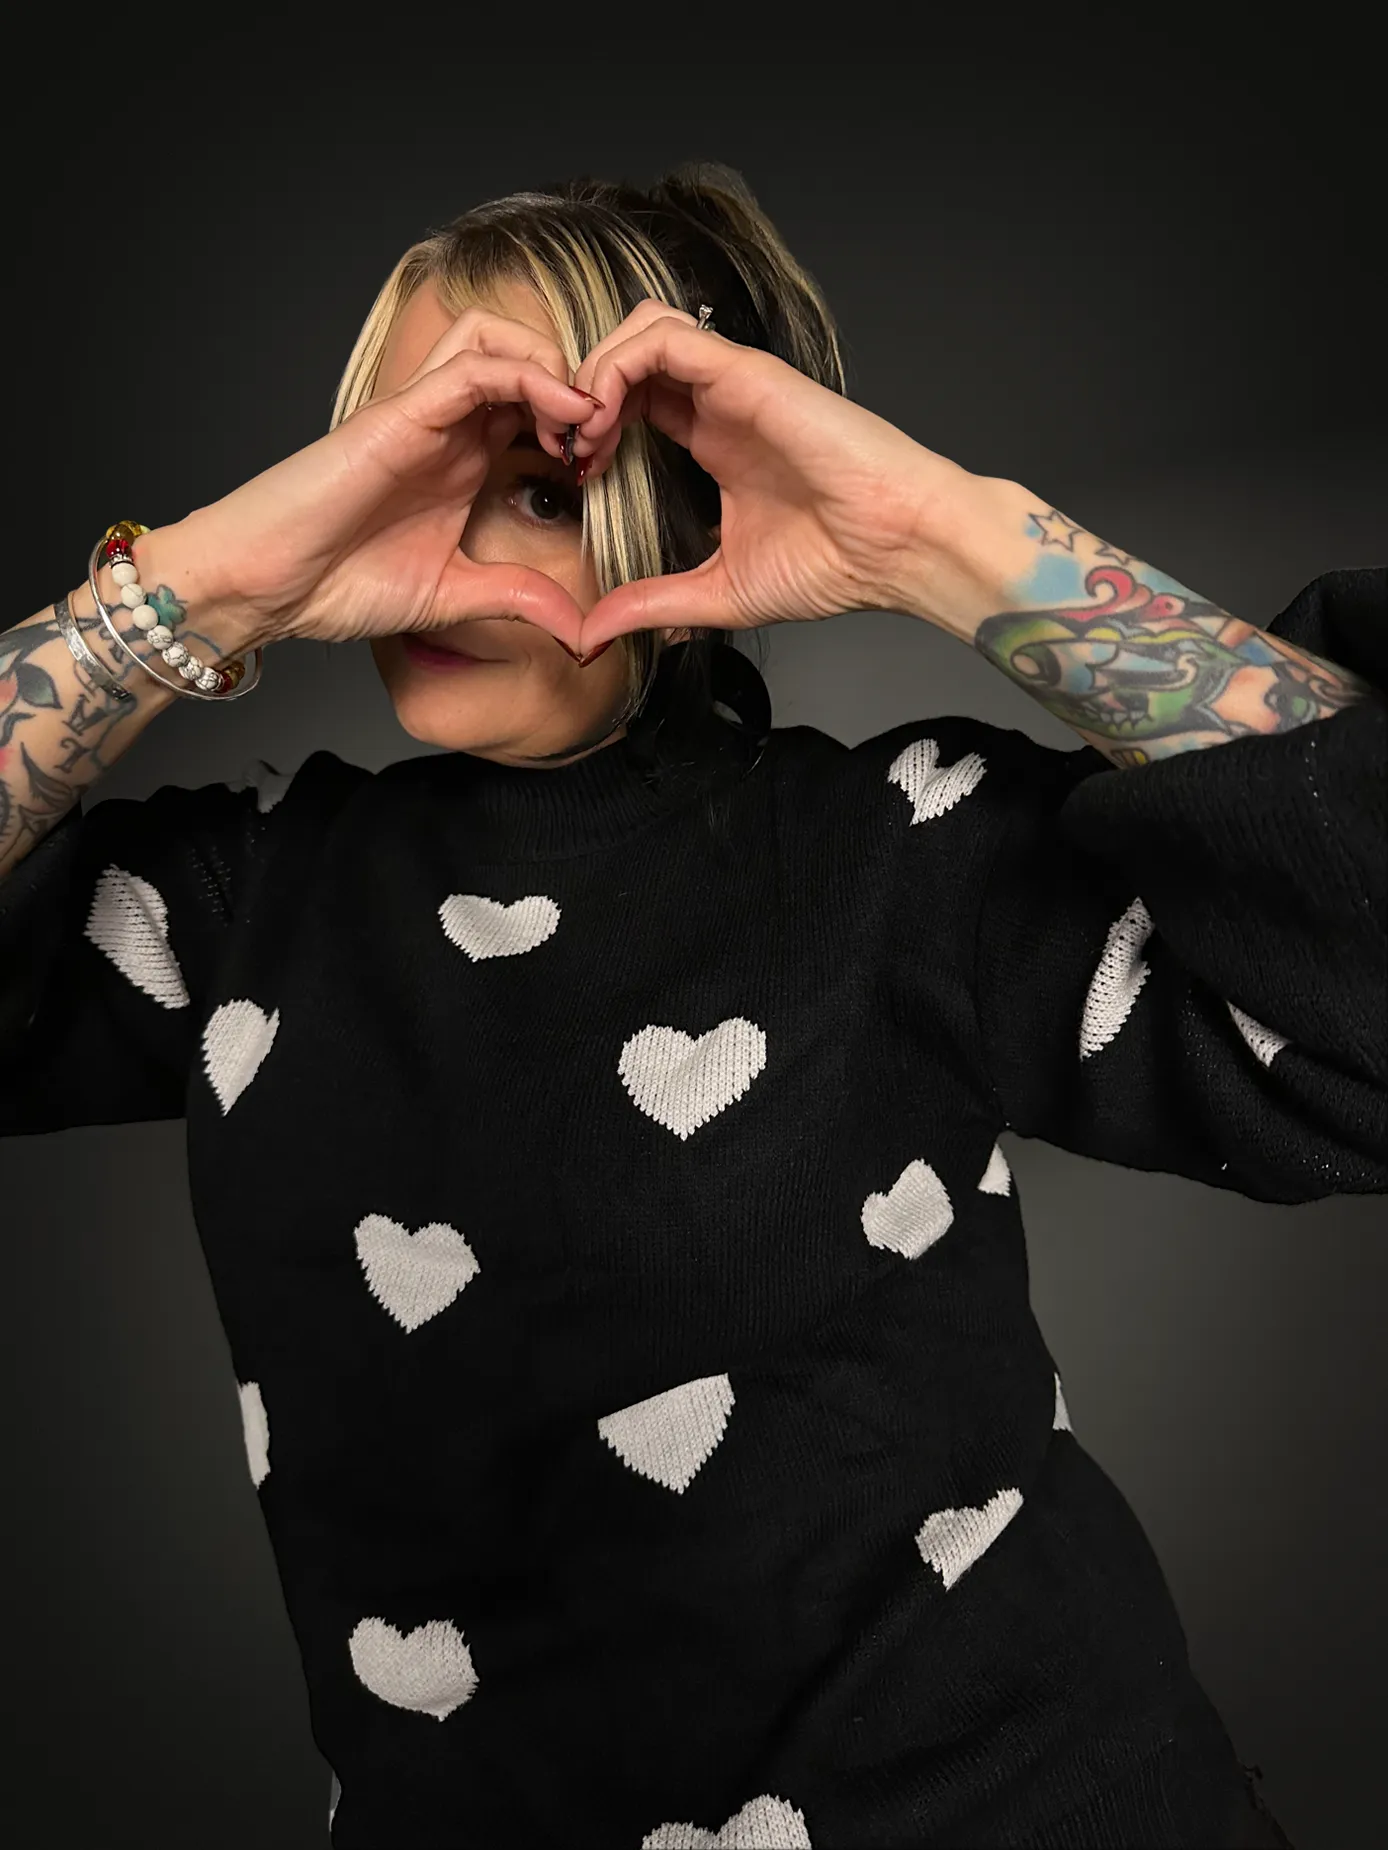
<point x="494" y="536"/>
<point x="553" y="684"/>
<point x="605" y="681"/>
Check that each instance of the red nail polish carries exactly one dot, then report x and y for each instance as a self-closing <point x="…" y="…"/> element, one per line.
<point x="589" y="396"/>
<point x="585" y="464"/>
<point x="572" y="654"/>
<point x="583" y="660"/>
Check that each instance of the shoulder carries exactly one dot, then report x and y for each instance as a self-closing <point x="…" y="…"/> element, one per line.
<point x="240" y="821"/>
<point x="323" y="779"/>
<point x="1343" y="616"/>
<point x="244" y="803"/>
<point x="917" y="771"/>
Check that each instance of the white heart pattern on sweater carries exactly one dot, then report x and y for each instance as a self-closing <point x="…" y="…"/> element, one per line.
<point x="912" y="1215"/>
<point x="1264" y="1043"/>
<point x="934" y="791"/>
<point x="255" y="1429"/>
<point x="428" y="1670"/>
<point x="487" y="928"/>
<point x="129" y="922"/>
<point x="235" y="1042"/>
<point x="951" y="1541"/>
<point x="414" y="1275"/>
<point x="764" y="1823"/>
<point x="997" y="1177"/>
<point x="682" y="1081"/>
<point x="670" y="1436"/>
<point x="268" y="783"/>
<point x="1117" y="980"/>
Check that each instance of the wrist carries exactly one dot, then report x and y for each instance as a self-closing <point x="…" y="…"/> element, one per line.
<point x="976" y="550"/>
<point x="178" y="561"/>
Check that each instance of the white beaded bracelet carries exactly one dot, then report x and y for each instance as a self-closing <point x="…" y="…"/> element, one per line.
<point x="200" y="679"/>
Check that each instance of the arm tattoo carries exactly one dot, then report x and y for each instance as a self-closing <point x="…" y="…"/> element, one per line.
<point x="34" y="796"/>
<point x="1140" y="666"/>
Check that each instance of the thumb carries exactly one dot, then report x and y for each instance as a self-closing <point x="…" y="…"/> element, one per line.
<point x="470" y="591"/>
<point x="676" y="600"/>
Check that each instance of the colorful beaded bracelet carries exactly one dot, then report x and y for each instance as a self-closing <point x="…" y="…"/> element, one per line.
<point x="204" y="682"/>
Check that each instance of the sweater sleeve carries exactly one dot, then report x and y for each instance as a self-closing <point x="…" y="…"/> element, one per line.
<point x="109" y="930"/>
<point x="1184" y="966"/>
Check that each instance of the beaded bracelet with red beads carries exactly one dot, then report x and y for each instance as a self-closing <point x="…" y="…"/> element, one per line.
<point x="116" y="549"/>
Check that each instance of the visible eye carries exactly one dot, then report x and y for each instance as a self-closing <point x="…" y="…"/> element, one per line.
<point x="546" y="501"/>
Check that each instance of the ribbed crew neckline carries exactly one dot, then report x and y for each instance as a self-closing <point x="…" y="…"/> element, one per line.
<point x="518" y="813"/>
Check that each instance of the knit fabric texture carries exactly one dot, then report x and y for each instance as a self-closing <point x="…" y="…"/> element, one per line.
<point x="625" y="1285"/>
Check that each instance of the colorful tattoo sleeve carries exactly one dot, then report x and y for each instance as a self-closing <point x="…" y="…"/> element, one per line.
<point x="1140" y="666"/>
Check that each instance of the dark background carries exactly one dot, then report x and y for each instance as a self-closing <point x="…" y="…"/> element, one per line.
<point x="1139" y="279"/>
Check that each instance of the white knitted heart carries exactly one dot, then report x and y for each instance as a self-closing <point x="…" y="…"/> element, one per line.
<point x="1264" y="1043"/>
<point x="762" y="1824"/>
<point x="668" y="1437"/>
<point x="235" y="1042"/>
<point x="414" y="1275"/>
<point x="268" y="783"/>
<point x="428" y="1670"/>
<point x="912" y="1215"/>
<point x="997" y="1177"/>
<point x="129" y="922"/>
<point x="486" y="928"/>
<point x="951" y="1541"/>
<point x="1117" y="980"/>
<point x="255" y="1428"/>
<point x="933" y="791"/>
<point x="681" y="1081"/>
<point x="1060" y="1421"/>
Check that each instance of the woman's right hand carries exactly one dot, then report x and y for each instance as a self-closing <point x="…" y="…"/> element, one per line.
<point x="358" y="534"/>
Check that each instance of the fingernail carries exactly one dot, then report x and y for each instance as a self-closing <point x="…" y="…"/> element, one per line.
<point x="591" y="399"/>
<point x="592" y="656"/>
<point x="572" y="654"/>
<point x="566" y="445"/>
<point x="585" y="464"/>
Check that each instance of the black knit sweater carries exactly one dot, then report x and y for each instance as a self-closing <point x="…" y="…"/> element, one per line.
<point x="626" y="1288"/>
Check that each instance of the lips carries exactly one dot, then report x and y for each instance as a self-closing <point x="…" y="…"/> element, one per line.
<point x="448" y="647"/>
<point x="440" y="654"/>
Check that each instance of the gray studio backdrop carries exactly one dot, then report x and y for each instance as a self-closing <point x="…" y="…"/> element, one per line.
<point x="1223" y="1359"/>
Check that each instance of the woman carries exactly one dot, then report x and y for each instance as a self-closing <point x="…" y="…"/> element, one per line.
<point x="593" y="1125"/>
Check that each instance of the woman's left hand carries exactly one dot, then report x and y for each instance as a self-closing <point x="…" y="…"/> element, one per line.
<point x="826" y="507"/>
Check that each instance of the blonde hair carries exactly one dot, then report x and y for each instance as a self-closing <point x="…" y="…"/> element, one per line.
<point x="591" y="251"/>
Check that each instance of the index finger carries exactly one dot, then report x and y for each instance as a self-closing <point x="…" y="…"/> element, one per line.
<point x="483" y="330"/>
<point x="671" y="347"/>
<point x="635" y="323"/>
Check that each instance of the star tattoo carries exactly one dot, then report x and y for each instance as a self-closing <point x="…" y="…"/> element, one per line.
<point x="1056" y="530"/>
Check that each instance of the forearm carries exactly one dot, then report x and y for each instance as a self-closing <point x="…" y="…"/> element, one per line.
<point x="1140" y="666"/>
<point x="60" y="731"/>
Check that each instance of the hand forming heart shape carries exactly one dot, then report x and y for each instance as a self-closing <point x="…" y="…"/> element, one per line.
<point x="825" y="506"/>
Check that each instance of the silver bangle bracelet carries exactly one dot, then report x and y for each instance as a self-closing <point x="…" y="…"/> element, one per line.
<point x="82" y="655"/>
<point x="179" y="684"/>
